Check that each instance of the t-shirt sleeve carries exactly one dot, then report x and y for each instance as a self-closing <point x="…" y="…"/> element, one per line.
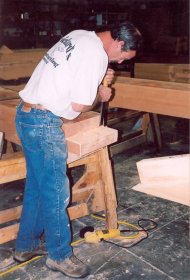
<point x="91" y="65"/>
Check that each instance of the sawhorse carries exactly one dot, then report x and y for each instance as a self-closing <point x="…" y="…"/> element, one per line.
<point x="92" y="193"/>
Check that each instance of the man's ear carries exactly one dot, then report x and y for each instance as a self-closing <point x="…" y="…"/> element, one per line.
<point x="121" y="44"/>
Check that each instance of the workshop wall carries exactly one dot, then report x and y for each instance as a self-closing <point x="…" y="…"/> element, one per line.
<point x="35" y="24"/>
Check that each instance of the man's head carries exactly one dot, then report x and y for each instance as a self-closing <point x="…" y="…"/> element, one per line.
<point x="121" y="41"/>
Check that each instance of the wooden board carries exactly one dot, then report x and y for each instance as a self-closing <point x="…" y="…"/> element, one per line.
<point x="166" y="177"/>
<point x="7" y="94"/>
<point x="82" y="123"/>
<point x="7" y="117"/>
<point x="84" y="143"/>
<point x="179" y="73"/>
<point x="158" y="97"/>
<point x="19" y="63"/>
<point x="13" y="166"/>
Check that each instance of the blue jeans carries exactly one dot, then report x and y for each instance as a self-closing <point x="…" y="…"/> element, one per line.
<point x="47" y="191"/>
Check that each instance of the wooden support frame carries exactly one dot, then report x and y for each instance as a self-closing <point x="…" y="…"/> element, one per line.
<point x="92" y="193"/>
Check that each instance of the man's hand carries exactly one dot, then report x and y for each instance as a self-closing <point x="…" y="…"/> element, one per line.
<point x="104" y="93"/>
<point x="109" y="76"/>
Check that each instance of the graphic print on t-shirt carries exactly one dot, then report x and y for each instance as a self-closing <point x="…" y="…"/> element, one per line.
<point x="68" y="48"/>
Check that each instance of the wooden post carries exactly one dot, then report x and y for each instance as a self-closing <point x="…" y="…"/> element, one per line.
<point x="109" y="190"/>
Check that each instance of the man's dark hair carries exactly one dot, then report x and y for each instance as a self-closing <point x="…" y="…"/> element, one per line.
<point x="128" y="33"/>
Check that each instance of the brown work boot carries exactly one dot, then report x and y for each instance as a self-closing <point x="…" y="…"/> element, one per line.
<point x="71" y="267"/>
<point x="26" y="256"/>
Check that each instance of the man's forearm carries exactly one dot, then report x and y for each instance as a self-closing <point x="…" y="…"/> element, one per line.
<point x="84" y="108"/>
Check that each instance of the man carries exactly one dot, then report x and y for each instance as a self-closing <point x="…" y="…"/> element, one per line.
<point x="66" y="82"/>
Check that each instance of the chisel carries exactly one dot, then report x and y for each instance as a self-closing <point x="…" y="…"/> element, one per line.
<point x="104" y="108"/>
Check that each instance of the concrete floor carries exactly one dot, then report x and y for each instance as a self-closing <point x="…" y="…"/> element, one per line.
<point x="164" y="255"/>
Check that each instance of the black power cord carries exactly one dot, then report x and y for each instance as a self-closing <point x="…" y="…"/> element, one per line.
<point x="144" y="229"/>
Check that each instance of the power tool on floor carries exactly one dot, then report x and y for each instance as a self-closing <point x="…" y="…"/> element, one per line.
<point x="97" y="236"/>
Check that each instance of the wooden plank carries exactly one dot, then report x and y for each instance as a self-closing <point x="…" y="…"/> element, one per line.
<point x="78" y="195"/>
<point x="127" y="144"/>
<point x="166" y="177"/>
<point x="10" y="214"/>
<point x="13" y="166"/>
<point x="154" y="170"/>
<point x="7" y="117"/>
<point x="6" y="94"/>
<point x="81" y="124"/>
<point x="19" y="63"/>
<point x="8" y="233"/>
<point x="11" y="71"/>
<point x="92" y="140"/>
<point x="78" y="211"/>
<point x="179" y="73"/>
<point x="174" y="191"/>
<point x="158" y="97"/>
<point x="21" y="55"/>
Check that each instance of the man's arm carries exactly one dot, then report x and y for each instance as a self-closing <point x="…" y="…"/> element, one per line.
<point x="103" y="95"/>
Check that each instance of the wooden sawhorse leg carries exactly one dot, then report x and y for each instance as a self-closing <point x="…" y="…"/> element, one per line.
<point x="98" y="174"/>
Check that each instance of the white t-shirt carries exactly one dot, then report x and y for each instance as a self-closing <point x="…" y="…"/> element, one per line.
<point x="70" y="71"/>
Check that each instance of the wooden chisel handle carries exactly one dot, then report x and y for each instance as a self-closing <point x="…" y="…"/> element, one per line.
<point x="105" y="83"/>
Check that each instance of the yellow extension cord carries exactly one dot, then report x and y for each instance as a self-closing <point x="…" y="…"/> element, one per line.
<point x="73" y="244"/>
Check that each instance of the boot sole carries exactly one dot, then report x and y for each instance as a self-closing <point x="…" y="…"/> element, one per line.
<point x="21" y="260"/>
<point x="70" y="275"/>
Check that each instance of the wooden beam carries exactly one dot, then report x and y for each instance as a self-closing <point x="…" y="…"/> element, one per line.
<point x="179" y="73"/>
<point x="7" y="94"/>
<point x="19" y="63"/>
<point x="10" y="214"/>
<point x="7" y="117"/>
<point x="127" y="144"/>
<point x="168" y="168"/>
<point x="12" y="167"/>
<point x="165" y="177"/>
<point x="9" y="233"/>
<point x="84" y="143"/>
<point x="109" y="189"/>
<point x="83" y="123"/>
<point x="152" y="96"/>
